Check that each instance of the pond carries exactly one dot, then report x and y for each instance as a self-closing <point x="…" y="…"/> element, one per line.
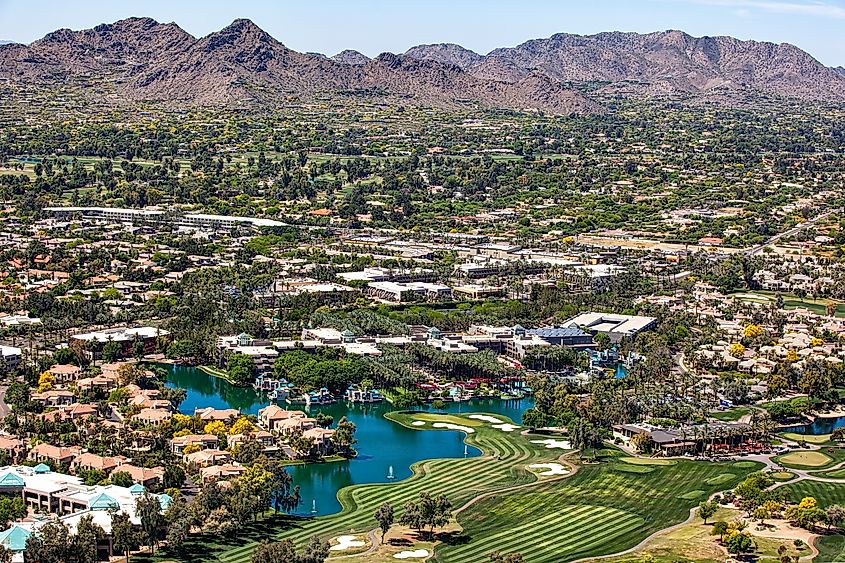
<point x="818" y="426"/>
<point x="382" y="444"/>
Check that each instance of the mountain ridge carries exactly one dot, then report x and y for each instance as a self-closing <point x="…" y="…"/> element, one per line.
<point x="140" y="59"/>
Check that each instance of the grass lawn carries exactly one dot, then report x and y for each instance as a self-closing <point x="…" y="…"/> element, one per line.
<point x="831" y="549"/>
<point x="447" y="418"/>
<point x="825" y="493"/>
<point x="693" y="542"/>
<point x="731" y="415"/>
<point x="599" y="509"/>
<point x="817" y="439"/>
<point x="804" y="459"/>
<point x="647" y="461"/>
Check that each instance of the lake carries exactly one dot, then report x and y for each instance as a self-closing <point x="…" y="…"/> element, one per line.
<point x="382" y="444"/>
<point x="818" y="426"/>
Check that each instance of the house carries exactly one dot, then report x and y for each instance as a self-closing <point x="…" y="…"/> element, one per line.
<point x="56" y="454"/>
<point x="202" y="441"/>
<point x="204" y="458"/>
<point x="94" y="462"/>
<point x="153" y="417"/>
<point x="320" y="436"/>
<point x="78" y="411"/>
<point x="221" y="472"/>
<point x="65" y="373"/>
<point x="143" y="475"/>
<point x="54" y="398"/>
<point x="11" y="357"/>
<point x="271" y="417"/>
<point x="266" y="439"/>
<point x="14" y="445"/>
<point x="209" y="414"/>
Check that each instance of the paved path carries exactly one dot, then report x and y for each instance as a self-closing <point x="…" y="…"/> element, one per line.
<point x="4" y="408"/>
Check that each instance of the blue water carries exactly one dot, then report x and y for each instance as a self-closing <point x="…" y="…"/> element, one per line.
<point x="818" y="426"/>
<point x="381" y="443"/>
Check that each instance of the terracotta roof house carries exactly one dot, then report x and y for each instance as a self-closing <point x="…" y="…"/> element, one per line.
<point x="65" y="372"/>
<point x="209" y="414"/>
<point x="272" y="416"/>
<point x="145" y="476"/>
<point x="204" y="441"/>
<point x="54" y="397"/>
<point x="57" y="454"/>
<point x="218" y="472"/>
<point x="204" y="458"/>
<point x="14" y="445"/>
<point x="95" y="462"/>
<point x="154" y="417"/>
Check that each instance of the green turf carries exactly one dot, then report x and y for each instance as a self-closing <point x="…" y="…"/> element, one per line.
<point x="825" y="493"/>
<point x="599" y="510"/>
<point x="546" y="521"/>
<point x="731" y="415"/>
<point x="720" y="479"/>
<point x="831" y="549"/>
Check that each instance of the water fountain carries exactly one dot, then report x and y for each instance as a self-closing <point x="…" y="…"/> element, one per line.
<point x="314" y="506"/>
<point x="466" y="451"/>
<point x="390" y="474"/>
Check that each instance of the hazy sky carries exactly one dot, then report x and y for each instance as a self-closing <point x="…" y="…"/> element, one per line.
<point x="375" y="26"/>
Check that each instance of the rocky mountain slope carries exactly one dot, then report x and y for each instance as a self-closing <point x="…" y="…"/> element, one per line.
<point x="664" y="62"/>
<point x="146" y="60"/>
<point x="141" y="59"/>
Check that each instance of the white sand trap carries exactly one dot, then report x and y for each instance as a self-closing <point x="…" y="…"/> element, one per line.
<point x="505" y="427"/>
<point x="486" y="418"/>
<point x="551" y="468"/>
<point x="451" y="426"/>
<point x="418" y="423"/>
<point x="551" y="443"/>
<point x="347" y="542"/>
<point x="415" y="554"/>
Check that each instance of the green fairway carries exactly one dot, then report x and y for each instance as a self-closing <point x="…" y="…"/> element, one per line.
<point x="825" y="493"/>
<point x="831" y="549"/>
<point x="601" y="508"/>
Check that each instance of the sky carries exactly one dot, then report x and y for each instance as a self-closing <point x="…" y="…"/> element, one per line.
<point x="376" y="26"/>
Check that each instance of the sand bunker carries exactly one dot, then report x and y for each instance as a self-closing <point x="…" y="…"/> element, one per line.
<point x="417" y="553"/>
<point x="551" y="443"/>
<point x="418" y="423"/>
<point x="451" y="426"/>
<point x="551" y="468"/>
<point x="347" y="542"/>
<point x="505" y="427"/>
<point x="485" y="418"/>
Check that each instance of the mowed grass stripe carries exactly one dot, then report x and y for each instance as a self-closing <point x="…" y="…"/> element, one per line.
<point x="535" y="530"/>
<point x="552" y="551"/>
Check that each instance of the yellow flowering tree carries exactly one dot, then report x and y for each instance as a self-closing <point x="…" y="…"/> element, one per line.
<point x="46" y="381"/>
<point x="736" y="350"/>
<point x="242" y="426"/>
<point x="215" y="427"/>
<point x="752" y="331"/>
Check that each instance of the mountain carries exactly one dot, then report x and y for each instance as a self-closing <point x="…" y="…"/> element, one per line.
<point x="5" y="42"/>
<point x="351" y="57"/>
<point x="667" y="62"/>
<point x="143" y="60"/>
<point x="448" y="53"/>
<point x="839" y="69"/>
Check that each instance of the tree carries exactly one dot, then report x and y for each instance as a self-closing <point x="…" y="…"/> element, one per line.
<point x="121" y="479"/>
<point x="11" y="509"/>
<point x="739" y="542"/>
<point x="344" y="435"/>
<point x="88" y="535"/>
<point x="123" y="534"/>
<point x="216" y="427"/>
<point x="148" y="510"/>
<point x="720" y="528"/>
<point x="497" y="557"/>
<point x="427" y="510"/>
<point x="178" y="520"/>
<point x="706" y="509"/>
<point x="241" y="369"/>
<point x="603" y="341"/>
<point x="46" y="381"/>
<point x="6" y="556"/>
<point x="533" y="419"/>
<point x="242" y="425"/>
<point x="112" y="351"/>
<point x="409" y="399"/>
<point x="384" y="517"/>
<point x="834" y="515"/>
<point x="644" y="443"/>
<point x="438" y="404"/>
<point x="174" y="476"/>
<point x="49" y="544"/>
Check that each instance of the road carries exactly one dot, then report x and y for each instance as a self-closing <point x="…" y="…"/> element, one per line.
<point x="754" y="250"/>
<point x="4" y="408"/>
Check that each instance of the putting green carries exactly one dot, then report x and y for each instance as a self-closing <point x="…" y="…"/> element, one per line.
<point x="782" y="475"/>
<point x="745" y="464"/>
<point x="628" y="468"/>
<point x="693" y="495"/>
<point x="805" y="459"/>
<point x="648" y="461"/>
<point x="809" y="438"/>
<point x="720" y="478"/>
<point x="448" y="418"/>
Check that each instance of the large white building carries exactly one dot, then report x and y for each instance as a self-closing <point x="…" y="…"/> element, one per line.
<point x="615" y="326"/>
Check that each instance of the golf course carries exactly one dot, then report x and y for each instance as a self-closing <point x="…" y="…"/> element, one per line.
<point x="526" y="493"/>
